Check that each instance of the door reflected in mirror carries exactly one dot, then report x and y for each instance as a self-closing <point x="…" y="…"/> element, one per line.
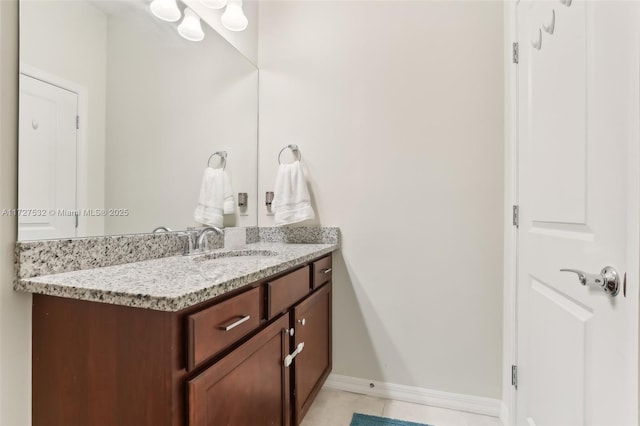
<point x="118" y="117"/>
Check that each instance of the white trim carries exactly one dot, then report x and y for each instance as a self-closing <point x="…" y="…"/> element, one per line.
<point x="633" y="218"/>
<point x="505" y="413"/>
<point x="82" y="174"/>
<point x="435" y="398"/>
<point x="509" y="317"/>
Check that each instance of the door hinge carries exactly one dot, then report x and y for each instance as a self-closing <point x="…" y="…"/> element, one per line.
<point x="516" y="216"/>
<point x="77" y="122"/>
<point x="514" y="376"/>
<point x="515" y="52"/>
<point x="77" y="219"/>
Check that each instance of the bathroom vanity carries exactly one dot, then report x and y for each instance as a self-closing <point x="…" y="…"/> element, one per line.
<point x="228" y="349"/>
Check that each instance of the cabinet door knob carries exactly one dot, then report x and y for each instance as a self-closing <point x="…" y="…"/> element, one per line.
<point x="302" y="321"/>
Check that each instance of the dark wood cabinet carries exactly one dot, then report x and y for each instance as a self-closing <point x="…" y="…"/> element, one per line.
<point x="283" y="292"/>
<point x="221" y="362"/>
<point x="322" y="271"/>
<point x="312" y="320"/>
<point x="248" y="387"/>
<point x="213" y="329"/>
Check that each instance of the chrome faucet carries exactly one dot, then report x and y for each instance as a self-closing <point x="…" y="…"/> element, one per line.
<point x="201" y="242"/>
<point x="189" y="244"/>
<point x="196" y="239"/>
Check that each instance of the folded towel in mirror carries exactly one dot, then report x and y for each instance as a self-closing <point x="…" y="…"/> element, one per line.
<point x="216" y="198"/>
<point x="291" y="201"/>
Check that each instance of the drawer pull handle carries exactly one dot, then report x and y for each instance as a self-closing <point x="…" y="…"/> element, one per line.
<point x="234" y="324"/>
<point x="302" y="321"/>
<point x="289" y="358"/>
<point x="326" y="271"/>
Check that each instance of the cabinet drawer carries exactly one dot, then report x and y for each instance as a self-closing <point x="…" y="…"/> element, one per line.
<point x="287" y="290"/>
<point x="322" y="271"/>
<point x="214" y="329"/>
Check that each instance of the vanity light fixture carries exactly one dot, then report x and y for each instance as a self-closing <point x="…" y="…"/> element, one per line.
<point x="214" y="4"/>
<point x="167" y="10"/>
<point x="190" y="27"/>
<point x="233" y="17"/>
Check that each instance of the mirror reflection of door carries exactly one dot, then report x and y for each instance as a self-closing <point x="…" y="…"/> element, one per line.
<point x="153" y="107"/>
<point x="47" y="160"/>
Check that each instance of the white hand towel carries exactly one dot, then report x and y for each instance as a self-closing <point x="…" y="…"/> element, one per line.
<point x="229" y="204"/>
<point x="216" y="198"/>
<point x="291" y="201"/>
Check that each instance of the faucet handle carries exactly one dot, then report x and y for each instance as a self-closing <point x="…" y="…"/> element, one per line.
<point x="203" y="245"/>
<point x="188" y="244"/>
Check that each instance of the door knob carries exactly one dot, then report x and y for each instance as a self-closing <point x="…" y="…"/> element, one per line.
<point x="608" y="279"/>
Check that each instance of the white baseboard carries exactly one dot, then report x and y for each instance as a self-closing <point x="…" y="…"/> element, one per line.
<point x="435" y="398"/>
<point x="504" y="413"/>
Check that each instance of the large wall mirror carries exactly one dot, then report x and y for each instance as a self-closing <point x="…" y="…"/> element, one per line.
<point x="119" y="116"/>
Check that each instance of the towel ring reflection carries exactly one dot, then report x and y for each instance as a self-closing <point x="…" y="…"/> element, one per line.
<point x="294" y="149"/>
<point x="223" y="158"/>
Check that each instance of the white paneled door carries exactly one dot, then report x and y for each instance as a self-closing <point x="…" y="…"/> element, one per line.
<point x="577" y="144"/>
<point x="46" y="160"/>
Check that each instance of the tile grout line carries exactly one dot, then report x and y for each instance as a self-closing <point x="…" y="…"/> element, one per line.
<point x="384" y="406"/>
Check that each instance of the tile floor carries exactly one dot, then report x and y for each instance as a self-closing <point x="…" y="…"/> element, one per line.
<point x="335" y="408"/>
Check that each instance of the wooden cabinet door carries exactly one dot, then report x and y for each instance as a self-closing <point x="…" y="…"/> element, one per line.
<point x="248" y="387"/>
<point x="312" y="320"/>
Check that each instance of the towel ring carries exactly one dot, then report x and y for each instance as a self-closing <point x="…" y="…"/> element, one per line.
<point x="294" y="149"/>
<point x="223" y="158"/>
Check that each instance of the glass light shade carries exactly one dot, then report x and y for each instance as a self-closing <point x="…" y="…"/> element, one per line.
<point x="167" y="10"/>
<point x="233" y="18"/>
<point x="214" y="4"/>
<point x="190" y="27"/>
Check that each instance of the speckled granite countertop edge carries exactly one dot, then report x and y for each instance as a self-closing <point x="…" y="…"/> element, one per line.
<point x="177" y="302"/>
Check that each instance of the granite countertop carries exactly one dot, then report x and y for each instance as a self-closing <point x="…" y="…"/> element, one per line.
<point x="176" y="282"/>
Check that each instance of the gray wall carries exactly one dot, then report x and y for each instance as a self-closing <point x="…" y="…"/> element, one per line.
<point x="398" y="110"/>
